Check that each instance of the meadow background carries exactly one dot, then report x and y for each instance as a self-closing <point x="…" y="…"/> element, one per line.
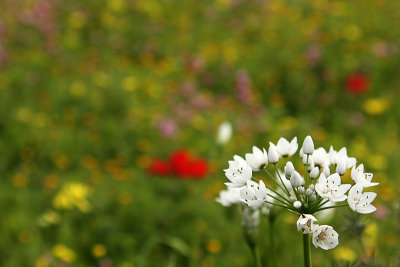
<point x="93" y="92"/>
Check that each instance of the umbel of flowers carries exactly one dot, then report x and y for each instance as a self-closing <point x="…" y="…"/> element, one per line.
<point x="316" y="187"/>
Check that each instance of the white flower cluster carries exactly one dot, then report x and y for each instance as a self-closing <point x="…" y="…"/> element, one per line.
<point x="306" y="194"/>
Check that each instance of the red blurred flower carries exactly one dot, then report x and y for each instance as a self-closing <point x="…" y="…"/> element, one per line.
<point x="357" y="83"/>
<point x="180" y="164"/>
<point x="159" y="167"/>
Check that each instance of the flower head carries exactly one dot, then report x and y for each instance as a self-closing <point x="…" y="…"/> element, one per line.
<point x="239" y="172"/>
<point x="332" y="188"/>
<point x="306" y="222"/>
<point x="229" y="196"/>
<point x="358" y="176"/>
<point x="361" y="202"/>
<point x="254" y="195"/>
<point x="257" y="159"/>
<point x="224" y="133"/>
<point x="325" y="237"/>
<point x="286" y="149"/>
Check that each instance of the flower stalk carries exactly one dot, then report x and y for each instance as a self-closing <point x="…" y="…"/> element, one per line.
<point x="306" y="250"/>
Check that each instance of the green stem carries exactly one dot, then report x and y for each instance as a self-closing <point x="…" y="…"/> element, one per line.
<point x="256" y="256"/>
<point x="306" y="250"/>
<point x="272" y="243"/>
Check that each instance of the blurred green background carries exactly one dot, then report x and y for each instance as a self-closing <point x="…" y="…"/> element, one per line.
<point x="91" y="92"/>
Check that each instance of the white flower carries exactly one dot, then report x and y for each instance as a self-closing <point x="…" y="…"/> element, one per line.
<point x="332" y="188"/>
<point x="296" y="180"/>
<point x="224" y="133"/>
<point x="306" y="222"/>
<point x="286" y="149"/>
<point x="361" y="202"/>
<point x="336" y="156"/>
<point x="321" y="158"/>
<point x="257" y="159"/>
<point x="359" y="176"/>
<point x="297" y="204"/>
<point x="254" y="195"/>
<point x="239" y="172"/>
<point x="308" y="145"/>
<point x="325" y="237"/>
<point x="229" y="196"/>
<point x="273" y="155"/>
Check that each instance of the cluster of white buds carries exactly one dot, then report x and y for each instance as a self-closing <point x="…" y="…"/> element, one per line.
<point x="319" y="188"/>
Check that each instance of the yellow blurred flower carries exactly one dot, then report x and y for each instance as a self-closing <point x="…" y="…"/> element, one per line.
<point x="25" y="237"/>
<point x="72" y="195"/>
<point x="77" y="19"/>
<point x="129" y="83"/>
<point x="213" y="246"/>
<point x="99" y="250"/>
<point x="78" y="89"/>
<point x="51" y="181"/>
<point x="117" y="5"/>
<point x="352" y="32"/>
<point x="377" y="162"/>
<point x="48" y="218"/>
<point x="345" y="253"/>
<point x="125" y="198"/>
<point x="375" y="106"/>
<point x="370" y="236"/>
<point x="64" y="253"/>
<point x="20" y="180"/>
<point x="61" y="161"/>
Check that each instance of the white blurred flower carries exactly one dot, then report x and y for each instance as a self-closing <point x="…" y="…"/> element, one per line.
<point x="361" y="202"/>
<point x="224" y="133"/>
<point x="332" y="188"/>
<point x="286" y="149"/>
<point x="239" y="172"/>
<point x="358" y="176"/>
<point x="325" y="237"/>
<point x="258" y="159"/>
<point x="229" y="196"/>
<point x="254" y="195"/>
<point x="308" y="145"/>
<point x="306" y="222"/>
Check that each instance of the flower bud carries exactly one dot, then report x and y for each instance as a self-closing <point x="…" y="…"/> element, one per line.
<point x="314" y="173"/>
<point x="273" y="156"/>
<point x="297" y="204"/>
<point x="301" y="153"/>
<point x="289" y="169"/>
<point x="310" y="164"/>
<point x="311" y="187"/>
<point x="341" y="166"/>
<point x="309" y="192"/>
<point x="313" y="197"/>
<point x="326" y="171"/>
<point x="292" y="199"/>
<point x="308" y="145"/>
<point x="296" y="179"/>
<point x="301" y="190"/>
